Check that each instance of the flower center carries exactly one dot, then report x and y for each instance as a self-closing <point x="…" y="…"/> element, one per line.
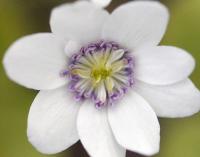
<point x="101" y="71"/>
<point x="99" y="74"/>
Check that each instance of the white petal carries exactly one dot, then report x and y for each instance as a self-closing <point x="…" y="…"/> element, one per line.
<point x="36" y="62"/>
<point x="81" y="21"/>
<point x="95" y="133"/>
<point x="163" y="65"/>
<point x="102" y="3"/>
<point x="177" y="100"/>
<point x="137" y="23"/>
<point x="72" y="47"/>
<point x="135" y="125"/>
<point x="52" y="121"/>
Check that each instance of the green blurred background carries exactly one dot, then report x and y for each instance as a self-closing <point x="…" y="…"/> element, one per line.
<point x="179" y="137"/>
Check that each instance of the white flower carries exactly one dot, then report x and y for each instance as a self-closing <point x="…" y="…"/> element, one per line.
<point x="112" y="61"/>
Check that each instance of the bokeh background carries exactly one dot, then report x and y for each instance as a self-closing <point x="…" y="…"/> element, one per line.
<point x="179" y="137"/>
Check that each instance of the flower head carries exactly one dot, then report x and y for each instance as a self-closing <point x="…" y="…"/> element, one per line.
<point x="103" y="79"/>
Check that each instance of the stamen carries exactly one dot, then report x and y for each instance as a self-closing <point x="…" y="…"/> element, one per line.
<point x="101" y="71"/>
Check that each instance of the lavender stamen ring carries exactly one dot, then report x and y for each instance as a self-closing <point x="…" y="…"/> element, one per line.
<point x="101" y="71"/>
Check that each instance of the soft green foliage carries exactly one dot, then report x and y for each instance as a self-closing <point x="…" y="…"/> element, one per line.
<point x="179" y="137"/>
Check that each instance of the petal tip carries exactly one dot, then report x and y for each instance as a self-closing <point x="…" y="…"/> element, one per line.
<point x="102" y="3"/>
